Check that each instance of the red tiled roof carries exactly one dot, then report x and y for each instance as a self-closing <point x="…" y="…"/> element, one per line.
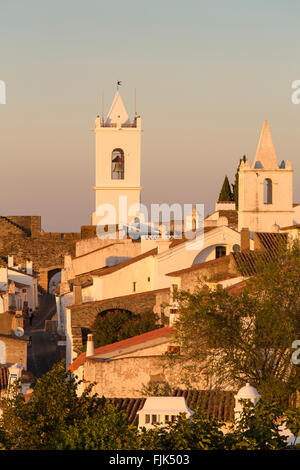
<point x="297" y="226"/>
<point x="178" y="241"/>
<point x="117" y="267"/>
<point x="4" y="374"/>
<point x="217" y="404"/>
<point x="271" y="241"/>
<point x="125" y="343"/>
<point x="199" y="266"/>
<point x="122" y="297"/>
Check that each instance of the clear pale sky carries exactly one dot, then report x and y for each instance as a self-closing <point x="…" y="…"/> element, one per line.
<point x="207" y="74"/>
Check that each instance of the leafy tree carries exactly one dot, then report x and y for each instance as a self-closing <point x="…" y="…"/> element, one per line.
<point x="225" y="194"/>
<point x="235" y="186"/>
<point x="184" y="434"/>
<point x="246" y="337"/>
<point x="117" y="325"/>
<point x="56" y="418"/>
<point x="106" y="430"/>
<point x="157" y="389"/>
<point x="257" y="429"/>
<point x="37" y="425"/>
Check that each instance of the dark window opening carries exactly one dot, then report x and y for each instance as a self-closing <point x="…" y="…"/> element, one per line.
<point x="117" y="164"/>
<point x="268" y="191"/>
<point x="220" y="251"/>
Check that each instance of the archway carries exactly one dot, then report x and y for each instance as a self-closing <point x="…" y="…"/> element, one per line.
<point x="209" y="253"/>
<point x="54" y="277"/>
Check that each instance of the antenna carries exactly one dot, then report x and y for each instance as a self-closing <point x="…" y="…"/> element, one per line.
<point x="134" y="101"/>
<point x="103" y="106"/>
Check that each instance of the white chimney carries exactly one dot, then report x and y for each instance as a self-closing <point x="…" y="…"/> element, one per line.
<point x="10" y="261"/>
<point x="245" y="393"/>
<point x="90" y="350"/>
<point x="173" y="318"/>
<point x="28" y="266"/>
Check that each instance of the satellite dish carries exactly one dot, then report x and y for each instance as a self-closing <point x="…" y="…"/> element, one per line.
<point x="19" y="331"/>
<point x="236" y="248"/>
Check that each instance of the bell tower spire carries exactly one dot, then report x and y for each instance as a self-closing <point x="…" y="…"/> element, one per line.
<point x="265" y="189"/>
<point x="118" y="166"/>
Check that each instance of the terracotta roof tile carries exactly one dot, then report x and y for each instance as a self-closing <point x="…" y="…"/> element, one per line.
<point x="126" y="343"/>
<point x="197" y="267"/>
<point x="122" y="297"/>
<point x="217" y="404"/>
<point x="117" y="267"/>
<point x="4" y="374"/>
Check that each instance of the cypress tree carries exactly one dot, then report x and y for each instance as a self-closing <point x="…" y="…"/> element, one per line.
<point x="226" y="193"/>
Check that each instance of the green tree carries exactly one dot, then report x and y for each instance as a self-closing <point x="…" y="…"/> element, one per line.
<point x="119" y="324"/>
<point x="54" y="405"/>
<point x="246" y="337"/>
<point x="106" y="430"/>
<point x="225" y="193"/>
<point x="257" y="429"/>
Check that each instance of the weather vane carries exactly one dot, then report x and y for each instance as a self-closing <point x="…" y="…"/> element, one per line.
<point x="118" y="84"/>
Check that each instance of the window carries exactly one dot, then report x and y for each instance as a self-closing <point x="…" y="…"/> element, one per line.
<point x="117" y="164"/>
<point x="268" y="191"/>
<point x="173" y="349"/>
<point x="220" y="251"/>
<point x="147" y="419"/>
<point x="134" y="287"/>
<point x="166" y="418"/>
<point x="173" y="418"/>
<point x="154" y="419"/>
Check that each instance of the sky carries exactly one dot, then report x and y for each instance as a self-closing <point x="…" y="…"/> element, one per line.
<point x="207" y="74"/>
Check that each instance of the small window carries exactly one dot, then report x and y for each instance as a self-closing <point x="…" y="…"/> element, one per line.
<point x="117" y="164"/>
<point x="220" y="251"/>
<point x="173" y="418"/>
<point x="134" y="287"/>
<point x="167" y="420"/>
<point x="268" y="191"/>
<point x="147" y="419"/>
<point x="154" y="419"/>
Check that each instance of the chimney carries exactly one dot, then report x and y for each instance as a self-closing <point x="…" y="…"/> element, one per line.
<point x="90" y="351"/>
<point x="28" y="266"/>
<point x="194" y="218"/>
<point x="245" y="239"/>
<point x="10" y="261"/>
<point x="77" y="294"/>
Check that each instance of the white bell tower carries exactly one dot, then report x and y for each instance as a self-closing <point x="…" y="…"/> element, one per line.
<point x="118" y="166"/>
<point x="265" y="189"/>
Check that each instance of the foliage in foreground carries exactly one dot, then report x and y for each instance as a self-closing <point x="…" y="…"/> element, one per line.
<point x="56" y="418"/>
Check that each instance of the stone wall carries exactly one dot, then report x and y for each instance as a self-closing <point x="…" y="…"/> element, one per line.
<point x="43" y="251"/>
<point x="213" y="271"/>
<point x="16" y="350"/>
<point x="118" y="378"/>
<point x="84" y="315"/>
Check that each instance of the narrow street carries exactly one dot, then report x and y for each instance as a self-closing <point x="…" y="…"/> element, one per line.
<point x="43" y="351"/>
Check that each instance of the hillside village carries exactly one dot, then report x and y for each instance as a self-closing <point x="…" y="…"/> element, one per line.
<point x="54" y="286"/>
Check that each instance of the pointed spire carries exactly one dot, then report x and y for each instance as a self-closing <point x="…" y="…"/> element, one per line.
<point x="117" y="112"/>
<point x="265" y="156"/>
